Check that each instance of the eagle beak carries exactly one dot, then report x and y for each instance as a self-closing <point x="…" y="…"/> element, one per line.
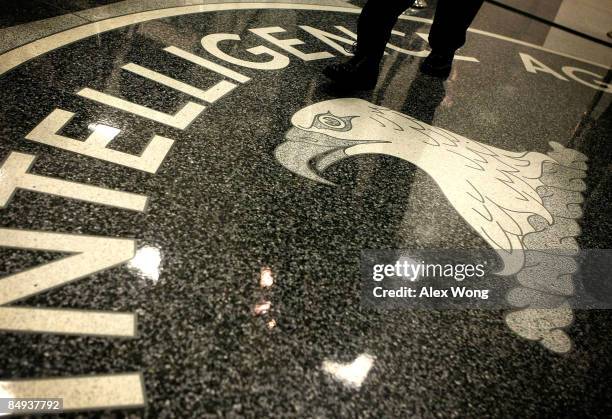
<point x="307" y="154"/>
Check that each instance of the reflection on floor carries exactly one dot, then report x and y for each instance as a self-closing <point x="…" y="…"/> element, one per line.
<point x="185" y="202"/>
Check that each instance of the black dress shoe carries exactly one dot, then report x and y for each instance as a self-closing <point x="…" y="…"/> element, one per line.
<point x="437" y="65"/>
<point x="357" y="73"/>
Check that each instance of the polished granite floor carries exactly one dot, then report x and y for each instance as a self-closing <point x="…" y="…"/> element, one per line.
<point x="186" y="198"/>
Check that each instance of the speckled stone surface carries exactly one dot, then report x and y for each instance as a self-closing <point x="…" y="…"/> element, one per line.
<point x="221" y="208"/>
<point x="25" y="11"/>
<point x="15" y="13"/>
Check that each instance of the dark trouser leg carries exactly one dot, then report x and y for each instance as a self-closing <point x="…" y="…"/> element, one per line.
<point x="375" y="24"/>
<point x="451" y="21"/>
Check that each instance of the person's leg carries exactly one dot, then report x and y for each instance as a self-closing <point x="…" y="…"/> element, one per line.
<point x="448" y="33"/>
<point x="376" y="21"/>
<point x="373" y="32"/>
<point x="451" y="22"/>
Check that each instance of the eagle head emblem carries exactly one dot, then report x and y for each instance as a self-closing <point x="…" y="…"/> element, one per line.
<point x="515" y="201"/>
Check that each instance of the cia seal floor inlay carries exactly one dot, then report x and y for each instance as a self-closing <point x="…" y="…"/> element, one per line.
<point x="184" y="199"/>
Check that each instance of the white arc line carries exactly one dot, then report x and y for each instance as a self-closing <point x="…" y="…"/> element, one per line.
<point x="20" y="55"/>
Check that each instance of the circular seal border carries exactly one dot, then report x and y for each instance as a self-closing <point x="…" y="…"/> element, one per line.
<point x="17" y="56"/>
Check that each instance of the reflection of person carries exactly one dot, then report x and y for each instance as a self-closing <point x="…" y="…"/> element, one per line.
<point x="423" y="97"/>
<point x="451" y="21"/>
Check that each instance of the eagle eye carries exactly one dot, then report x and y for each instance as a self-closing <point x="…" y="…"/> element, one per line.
<point x="332" y="122"/>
